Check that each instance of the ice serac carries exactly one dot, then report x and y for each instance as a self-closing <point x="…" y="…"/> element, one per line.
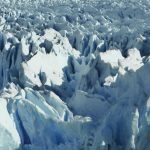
<point x="52" y="48"/>
<point x="9" y="137"/>
<point x="90" y="105"/>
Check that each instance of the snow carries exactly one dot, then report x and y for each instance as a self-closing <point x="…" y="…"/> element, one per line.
<point x="74" y="74"/>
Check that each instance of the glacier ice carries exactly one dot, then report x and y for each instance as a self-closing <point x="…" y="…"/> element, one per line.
<point x="74" y="75"/>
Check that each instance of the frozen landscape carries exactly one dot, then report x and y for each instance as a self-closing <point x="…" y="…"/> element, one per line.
<point x="74" y="75"/>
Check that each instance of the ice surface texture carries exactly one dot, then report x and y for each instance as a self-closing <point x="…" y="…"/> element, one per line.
<point x="74" y="75"/>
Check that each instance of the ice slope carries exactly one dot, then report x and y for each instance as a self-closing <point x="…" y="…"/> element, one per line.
<point x="74" y="75"/>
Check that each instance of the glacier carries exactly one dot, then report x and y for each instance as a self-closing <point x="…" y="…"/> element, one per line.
<point x="74" y="75"/>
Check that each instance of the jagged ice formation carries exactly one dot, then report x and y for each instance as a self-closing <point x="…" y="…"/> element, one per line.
<point x="74" y="75"/>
